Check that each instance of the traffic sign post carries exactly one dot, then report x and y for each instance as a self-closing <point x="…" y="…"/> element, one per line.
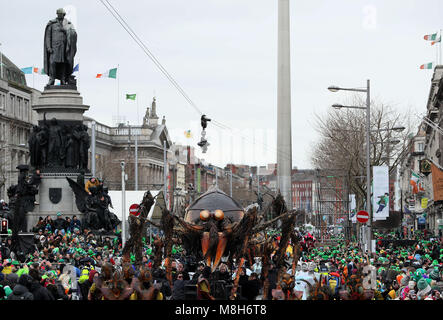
<point x="362" y="216"/>
<point x="134" y="209"/>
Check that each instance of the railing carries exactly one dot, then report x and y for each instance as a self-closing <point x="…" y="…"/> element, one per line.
<point x="116" y="131"/>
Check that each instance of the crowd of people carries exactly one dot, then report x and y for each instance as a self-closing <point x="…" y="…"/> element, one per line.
<point x="71" y="262"/>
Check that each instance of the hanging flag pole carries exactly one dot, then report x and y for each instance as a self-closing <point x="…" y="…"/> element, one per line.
<point x="118" y="96"/>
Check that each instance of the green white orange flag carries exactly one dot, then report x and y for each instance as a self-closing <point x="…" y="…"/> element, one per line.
<point x="431" y="37"/>
<point x="427" y="65"/>
<point x="434" y="42"/>
<point x="112" y="73"/>
<point x="414" y="182"/>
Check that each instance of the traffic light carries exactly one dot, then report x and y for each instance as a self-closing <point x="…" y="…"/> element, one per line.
<point x="4" y="226"/>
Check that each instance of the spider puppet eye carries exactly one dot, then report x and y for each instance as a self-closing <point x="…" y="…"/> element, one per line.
<point x="219" y="215"/>
<point x="204" y="215"/>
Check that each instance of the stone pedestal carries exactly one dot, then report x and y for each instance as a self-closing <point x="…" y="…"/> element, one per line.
<point x="61" y="102"/>
<point x="66" y="105"/>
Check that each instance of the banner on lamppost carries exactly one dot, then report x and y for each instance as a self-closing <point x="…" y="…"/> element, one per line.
<point x="352" y="208"/>
<point x="380" y="199"/>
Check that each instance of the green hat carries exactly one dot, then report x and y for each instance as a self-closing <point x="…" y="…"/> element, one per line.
<point x="422" y="284"/>
<point x="59" y="213"/>
<point x="434" y="275"/>
<point x="435" y="263"/>
<point x="8" y="290"/>
<point x="15" y="263"/>
<point x="61" y="261"/>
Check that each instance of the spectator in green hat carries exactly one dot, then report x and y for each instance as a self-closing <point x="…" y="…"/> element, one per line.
<point x="423" y="289"/>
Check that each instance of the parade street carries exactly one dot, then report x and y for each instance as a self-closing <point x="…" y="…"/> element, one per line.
<point x="217" y="156"/>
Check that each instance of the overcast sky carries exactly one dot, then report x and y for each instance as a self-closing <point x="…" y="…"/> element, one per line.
<point x="223" y="53"/>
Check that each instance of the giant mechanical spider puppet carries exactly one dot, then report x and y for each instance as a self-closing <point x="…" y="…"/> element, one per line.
<point x="216" y="226"/>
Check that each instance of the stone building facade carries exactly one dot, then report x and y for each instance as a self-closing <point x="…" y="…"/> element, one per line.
<point x="433" y="147"/>
<point x="16" y="120"/>
<point x="427" y="144"/>
<point x="116" y="144"/>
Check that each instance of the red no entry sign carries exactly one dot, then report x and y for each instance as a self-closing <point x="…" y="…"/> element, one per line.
<point x="133" y="209"/>
<point x="362" y="216"/>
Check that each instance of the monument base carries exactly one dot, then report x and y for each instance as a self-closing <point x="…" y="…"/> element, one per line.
<point x="54" y="195"/>
<point x="61" y="86"/>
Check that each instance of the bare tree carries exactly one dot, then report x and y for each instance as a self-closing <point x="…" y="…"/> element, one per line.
<point x="342" y="143"/>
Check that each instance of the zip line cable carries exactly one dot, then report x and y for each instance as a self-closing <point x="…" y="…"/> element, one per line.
<point x="151" y="56"/>
<point x="140" y="43"/>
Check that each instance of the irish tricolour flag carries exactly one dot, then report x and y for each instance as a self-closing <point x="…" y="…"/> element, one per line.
<point x="431" y="37"/>
<point x="112" y="73"/>
<point x="427" y="65"/>
<point x="415" y="180"/>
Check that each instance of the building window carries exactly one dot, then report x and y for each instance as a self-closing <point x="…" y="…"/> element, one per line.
<point x="27" y="110"/>
<point x="2" y="101"/>
<point x="11" y="104"/>
<point x="420" y="146"/>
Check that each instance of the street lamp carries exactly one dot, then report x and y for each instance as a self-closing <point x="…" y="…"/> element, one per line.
<point x="333" y="88"/>
<point x="122" y="164"/>
<point x="368" y="159"/>
<point x="399" y="129"/>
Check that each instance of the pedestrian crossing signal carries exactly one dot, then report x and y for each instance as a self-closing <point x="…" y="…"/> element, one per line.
<point x="4" y="226"/>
